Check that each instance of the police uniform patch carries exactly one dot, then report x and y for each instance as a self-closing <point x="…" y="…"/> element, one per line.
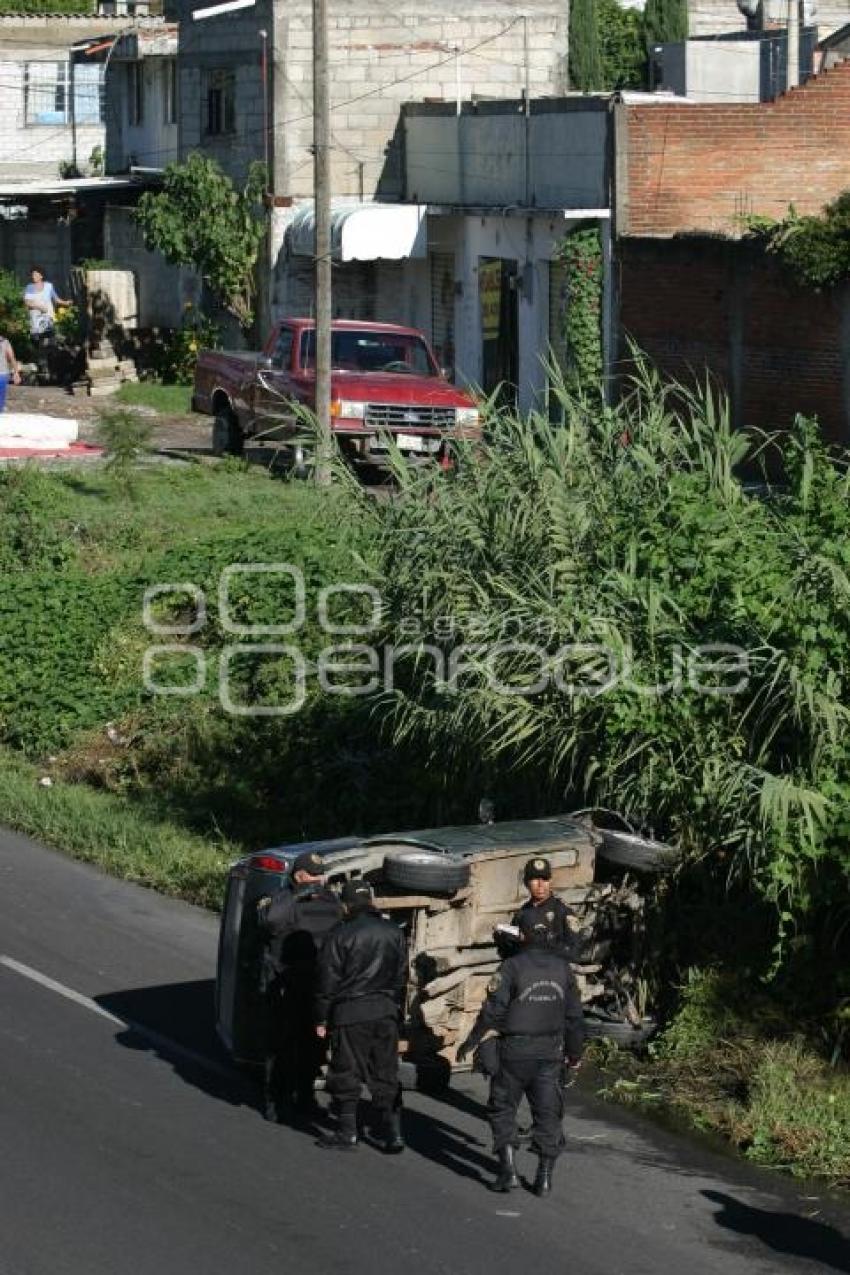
<point x="550" y="916"/>
<point x="495" y="982"/>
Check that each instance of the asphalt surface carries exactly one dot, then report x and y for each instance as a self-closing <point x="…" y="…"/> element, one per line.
<point x="138" y="1149"/>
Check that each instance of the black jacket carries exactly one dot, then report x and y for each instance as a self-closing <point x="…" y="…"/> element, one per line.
<point x="362" y="971"/>
<point x="554" y="913"/>
<point x="297" y="923"/>
<point x="533" y="1002"/>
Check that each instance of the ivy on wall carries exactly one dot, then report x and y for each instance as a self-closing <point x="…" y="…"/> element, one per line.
<point x="26" y="8"/>
<point x="581" y="253"/>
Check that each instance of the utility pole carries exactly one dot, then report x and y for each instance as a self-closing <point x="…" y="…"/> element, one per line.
<point x="322" y="196"/>
<point x="793" y="43"/>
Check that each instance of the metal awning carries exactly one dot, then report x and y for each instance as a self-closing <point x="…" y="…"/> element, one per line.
<point x="364" y="231"/>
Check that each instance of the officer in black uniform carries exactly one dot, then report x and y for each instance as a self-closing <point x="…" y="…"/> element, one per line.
<point x="534" y="1005"/>
<point x="296" y="922"/>
<point x="361" y="980"/>
<point x="544" y="905"/>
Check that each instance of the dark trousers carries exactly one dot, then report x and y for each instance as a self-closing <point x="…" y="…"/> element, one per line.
<point x="365" y="1054"/>
<point x="540" y="1082"/>
<point x="294" y="1053"/>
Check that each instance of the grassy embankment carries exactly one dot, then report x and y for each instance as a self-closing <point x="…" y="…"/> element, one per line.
<point x="164" y="789"/>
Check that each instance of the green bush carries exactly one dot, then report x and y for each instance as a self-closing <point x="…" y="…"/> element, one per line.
<point x="68" y="7"/>
<point x="625" y="540"/>
<point x="178" y="352"/>
<point x="14" y="321"/>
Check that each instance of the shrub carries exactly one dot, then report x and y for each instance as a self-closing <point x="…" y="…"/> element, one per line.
<point x="177" y="354"/>
<point x="14" y="321"/>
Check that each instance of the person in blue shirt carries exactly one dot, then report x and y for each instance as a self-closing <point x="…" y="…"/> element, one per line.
<point x="9" y="370"/>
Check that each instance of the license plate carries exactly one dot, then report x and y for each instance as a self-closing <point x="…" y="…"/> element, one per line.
<point x="416" y="443"/>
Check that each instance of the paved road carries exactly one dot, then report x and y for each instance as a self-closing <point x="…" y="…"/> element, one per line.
<point x="137" y="1149"/>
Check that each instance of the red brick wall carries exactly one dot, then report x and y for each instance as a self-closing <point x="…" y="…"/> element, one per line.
<point x="700" y="167"/>
<point x="724" y="306"/>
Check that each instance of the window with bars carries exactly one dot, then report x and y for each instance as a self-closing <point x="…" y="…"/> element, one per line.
<point x="221" y="103"/>
<point x="47" y="93"/>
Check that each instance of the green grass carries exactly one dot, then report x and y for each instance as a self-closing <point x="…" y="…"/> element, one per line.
<point x="738" y="1063"/>
<point x="110" y="832"/>
<point x="169" y="400"/>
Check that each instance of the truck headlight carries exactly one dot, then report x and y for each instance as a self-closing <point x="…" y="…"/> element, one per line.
<point x="348" y="410"/>
<point x="468" y="417"/>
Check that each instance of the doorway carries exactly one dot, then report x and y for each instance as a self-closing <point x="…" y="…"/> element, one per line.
<point x="497" y="288"/>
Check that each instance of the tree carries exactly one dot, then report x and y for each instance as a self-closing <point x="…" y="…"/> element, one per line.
<point x="200" y="219"/>
<point x="584" y="63"/>
<point x="622" y="46"/>
<point x="666" y="20"/>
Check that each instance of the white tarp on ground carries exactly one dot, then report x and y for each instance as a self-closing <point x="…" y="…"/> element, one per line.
<point x="33" y="429"/>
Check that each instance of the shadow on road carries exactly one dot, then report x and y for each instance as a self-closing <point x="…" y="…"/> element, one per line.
<point x="175" y="1022"/>
<point x="785" y="1233"/>
<point x="447" y="1146"/>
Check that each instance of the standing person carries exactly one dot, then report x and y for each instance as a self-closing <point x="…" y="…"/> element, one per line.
<point x="296" y="922"/>
<point x="41" y="300"/>
<point x="362" y="976"/>
<point x="544" y="905"/>
<point x="9" y="370"/>
<point x="534" y="1005"/>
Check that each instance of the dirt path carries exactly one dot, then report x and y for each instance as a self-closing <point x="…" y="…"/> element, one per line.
<point x="191" y="432"/>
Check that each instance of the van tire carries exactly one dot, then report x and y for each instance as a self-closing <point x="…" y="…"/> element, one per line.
<point x="423" y="872"/>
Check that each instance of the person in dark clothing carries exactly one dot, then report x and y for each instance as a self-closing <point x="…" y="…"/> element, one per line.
<point x="544" y="905"/>
<point x="361" y="979"/>
<point x="296" y="922"/>
<point x="534" y="1005"/>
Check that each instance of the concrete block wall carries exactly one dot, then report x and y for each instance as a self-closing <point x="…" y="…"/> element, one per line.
<point x="727" y="307"/>
<point x="689" y="168"/>
<point x="382" y="57"/>
<point x="161" y="289"/>
<point x="718" y="17"/>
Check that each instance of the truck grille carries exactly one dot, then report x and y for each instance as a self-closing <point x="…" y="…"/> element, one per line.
<point x="399" y="416"/>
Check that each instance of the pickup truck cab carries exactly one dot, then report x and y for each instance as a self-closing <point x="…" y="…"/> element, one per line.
<point x="385" y="382"/>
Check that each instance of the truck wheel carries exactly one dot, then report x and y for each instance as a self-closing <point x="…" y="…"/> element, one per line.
<point x="227" y="436"/>
<point x="424" y="872"/>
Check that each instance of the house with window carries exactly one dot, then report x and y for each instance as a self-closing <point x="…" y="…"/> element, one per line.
<point x="246" y="94"/>
<point x="51" y="94"/>
<point x="72" y="88"/>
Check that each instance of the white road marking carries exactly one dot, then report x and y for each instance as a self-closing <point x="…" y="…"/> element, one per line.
<point x="162" y="1043"/>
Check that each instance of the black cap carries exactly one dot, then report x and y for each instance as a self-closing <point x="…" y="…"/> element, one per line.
<point x="530" y="925"/>
<point x="537" y="869"/>
<point x="356" y="894"/>
<point x="309" y="862"/>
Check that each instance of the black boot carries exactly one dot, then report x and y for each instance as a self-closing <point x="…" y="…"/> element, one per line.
<point x="272" y="1105"/>
<point x="344" y="1136"/>
<point x="507" y="1179"/>
<point x="389" y="1138"/>
<point x="543" y="1180"/>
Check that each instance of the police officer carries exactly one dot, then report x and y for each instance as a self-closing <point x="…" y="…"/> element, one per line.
<point x="534" y="1004"/>
<point x="544" y="905"/>
<point x="296" y="922"/>
<point x="361" y="978"/>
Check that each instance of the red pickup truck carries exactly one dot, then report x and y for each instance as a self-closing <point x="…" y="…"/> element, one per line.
<point x="384" y="381"/>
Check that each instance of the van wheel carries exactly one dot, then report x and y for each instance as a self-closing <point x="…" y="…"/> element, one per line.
<point x="227" y="436"/>
<point x="424" y="872"/>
